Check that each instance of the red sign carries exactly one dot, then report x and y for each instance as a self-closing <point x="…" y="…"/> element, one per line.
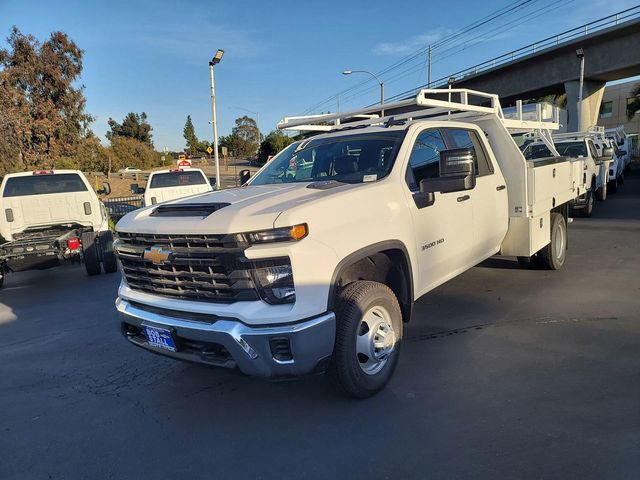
<point x="184" y="163"/>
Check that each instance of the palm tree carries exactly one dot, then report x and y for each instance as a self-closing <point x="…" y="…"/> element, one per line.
<point x="633" y="106"/>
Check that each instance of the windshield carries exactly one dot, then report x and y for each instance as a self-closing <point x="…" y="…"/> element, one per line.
<point x="177" y="179"/>
<point x="365" y="157"/>
<point x="43" y="184"/>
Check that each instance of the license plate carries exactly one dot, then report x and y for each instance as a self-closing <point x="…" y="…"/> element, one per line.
<point x="160" y="337"/>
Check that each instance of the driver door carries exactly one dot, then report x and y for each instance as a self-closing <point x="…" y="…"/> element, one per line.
<point x="443" y="231"/>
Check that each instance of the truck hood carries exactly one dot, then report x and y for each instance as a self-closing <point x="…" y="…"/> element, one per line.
<point x="249" y="208"/>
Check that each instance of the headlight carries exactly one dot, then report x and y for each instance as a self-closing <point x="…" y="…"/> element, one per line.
<point x="285" y="234"/>
<point x="275" y="284"/>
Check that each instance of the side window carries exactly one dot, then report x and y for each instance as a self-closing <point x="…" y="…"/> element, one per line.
<point x="459" y="138"/>
<point x="592" y="150"/>
<point x="425" y="157"/>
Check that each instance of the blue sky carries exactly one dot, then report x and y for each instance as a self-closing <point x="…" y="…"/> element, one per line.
<point x="281" y="57"/>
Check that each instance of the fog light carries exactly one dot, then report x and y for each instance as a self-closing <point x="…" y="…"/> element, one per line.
<point x="275" y="284"/>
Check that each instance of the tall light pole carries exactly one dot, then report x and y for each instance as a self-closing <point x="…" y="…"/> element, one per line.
<point x="214" y="61"/>
<point x="580" y="55"/>
<point x="257" y="122"/>
<point x="349" y="72"/>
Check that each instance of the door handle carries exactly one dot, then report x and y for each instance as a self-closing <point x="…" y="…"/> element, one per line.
<point x="501" y="187"/>
<point x="463" y="198"/>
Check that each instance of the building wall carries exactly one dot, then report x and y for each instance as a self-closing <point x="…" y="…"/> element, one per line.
<point x="613" y="110"/>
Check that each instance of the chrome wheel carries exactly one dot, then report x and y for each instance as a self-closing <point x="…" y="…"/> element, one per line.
<point x="559" y="241"/>
<point x="375" y="340"/>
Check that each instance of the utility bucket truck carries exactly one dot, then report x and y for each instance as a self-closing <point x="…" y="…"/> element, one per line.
<point x="314" y="264"/>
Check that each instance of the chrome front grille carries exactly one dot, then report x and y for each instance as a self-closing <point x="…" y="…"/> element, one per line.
<point x="209" y="268"/>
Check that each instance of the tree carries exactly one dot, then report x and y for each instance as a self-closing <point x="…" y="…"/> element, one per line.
<point x="633" y="106"/>
<point x="129" y="152"/>
<point x="273" y="143"/>
<point x="42" y="113"/>
<point x="243" y="141"/>
<point x="190" y="135"/>
<point x="133" y="126"/>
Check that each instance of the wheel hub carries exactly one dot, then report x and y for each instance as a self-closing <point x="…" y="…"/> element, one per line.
<point x="375" y="340"/>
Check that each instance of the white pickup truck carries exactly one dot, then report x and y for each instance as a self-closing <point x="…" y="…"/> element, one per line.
<point x="290" y="275"/>
<point x="165" y="185"/>
<point x="50" y="216"/>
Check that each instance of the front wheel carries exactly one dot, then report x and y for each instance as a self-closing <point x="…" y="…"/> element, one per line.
<point x="601" y="193"/>
<point x="613" y="185"/>
<point x="552" y="256"/>
<point x="368" y="339"/>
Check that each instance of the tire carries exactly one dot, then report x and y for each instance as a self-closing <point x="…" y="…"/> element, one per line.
<point x="587" y="211"/>
<point x="621" y="178"/>
<point x="90" y="253"/>
<point x="552" y="256"/>
<point x="3" y="274"/>
<point x="109" y="261"/>
<point x="613" y="186"/>
<point x="365" y="311"/>
<point x="601" y="193"/>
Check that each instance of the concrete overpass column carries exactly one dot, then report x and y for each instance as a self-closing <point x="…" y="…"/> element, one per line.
<point x="592" y="92"/>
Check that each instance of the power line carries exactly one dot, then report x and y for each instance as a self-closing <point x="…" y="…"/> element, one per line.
<point x="542" y="11"/>
<point x="507" y="10"/>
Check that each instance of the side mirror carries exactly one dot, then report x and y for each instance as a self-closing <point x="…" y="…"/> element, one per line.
<point x="106" y="189"/>
<point x="623" y="153"/>
<point x="607" y="154"/>
<point x="212" y="181"/>
<point x="457" y="173"/>
<point x="244" y="176"/>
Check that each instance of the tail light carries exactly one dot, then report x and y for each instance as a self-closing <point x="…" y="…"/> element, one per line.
<point x="9" y="214"/>
<point x="73" y="243"/>
<point x="154" y="200"/>
<point x="43" y="172"/>
<point x="87" y="208"/>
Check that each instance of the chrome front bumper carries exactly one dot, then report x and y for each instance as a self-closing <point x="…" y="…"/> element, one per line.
<point x="267" y="351"/>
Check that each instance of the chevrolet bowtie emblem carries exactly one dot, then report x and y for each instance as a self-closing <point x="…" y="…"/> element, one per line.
<point x="157" y="255"/>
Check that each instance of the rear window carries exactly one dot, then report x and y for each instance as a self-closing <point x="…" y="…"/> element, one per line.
<point x="43" y="185"/>
<point x="177" y="179"/>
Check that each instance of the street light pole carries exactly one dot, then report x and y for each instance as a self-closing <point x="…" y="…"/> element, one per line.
<point x="380" y="82"/>
<point x="215" y="60"/>
<point x="580" y="55"/>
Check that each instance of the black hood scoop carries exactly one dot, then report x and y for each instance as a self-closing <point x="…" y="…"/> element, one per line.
<point x="325" y="184"/>
<point x="187" y="210"/>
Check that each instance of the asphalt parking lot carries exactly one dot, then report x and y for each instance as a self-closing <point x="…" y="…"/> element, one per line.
<point x="505" y="373"/>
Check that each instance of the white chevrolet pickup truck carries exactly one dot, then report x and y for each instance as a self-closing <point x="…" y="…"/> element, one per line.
<point x="314" y="266"/>
<point x="53" y="216"/>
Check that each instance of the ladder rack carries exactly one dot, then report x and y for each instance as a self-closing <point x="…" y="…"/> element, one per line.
<point x="595" y="131"/>
<point x="434" y="104"/>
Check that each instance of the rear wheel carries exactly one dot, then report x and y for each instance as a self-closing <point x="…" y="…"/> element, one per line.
<point x="613" y="185"/>
<point x="90" y="253"/>
<point x="621" y="178"/>
<point x="2" y="275"/>
<point x="368" y="338"/>
<point x="552" y="256"/>
<point x="109" y="262"/>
